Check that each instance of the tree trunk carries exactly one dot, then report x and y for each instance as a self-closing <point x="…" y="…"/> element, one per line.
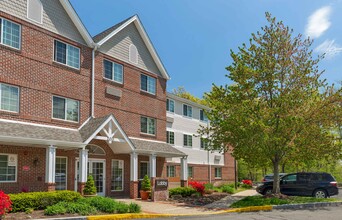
<point x="283" y="168"/>
<point x="276" y="185"/>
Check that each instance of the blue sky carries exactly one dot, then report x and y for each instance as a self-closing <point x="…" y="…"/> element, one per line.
<point x="193" y="37"/>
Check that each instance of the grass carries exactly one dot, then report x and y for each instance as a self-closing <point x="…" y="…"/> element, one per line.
<point x="261" y="201"/>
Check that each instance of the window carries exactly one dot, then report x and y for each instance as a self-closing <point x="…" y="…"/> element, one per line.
<point x="8" y="167"/>
<point x="61" y="173"/>
<point x="170" y="137"/>
<point x="144" y="169"/>
<point x="65" y="109"/>
<point x="35" y="11"/>
<point x="218" y="172"/>
<point x="190" y="172"/>
<point x="67" y="54"/>
<point x="187" y="110"/>
<point x="290" y="178"/>
<point x="10" y="33"/>
<point x="170" y="105"/>
<point x="148" y="125"/>
<point x="203" y="116"/>
<point x="148" y="84"/>
<point x="187" y="140"/>
<point x="117" y="175"/>
<point x="204" y="143"/>
<point x="133" y="54"/>
<point x="171" y="171"/>
<point x="9" y="98"/>
<point x="113" y="71"/>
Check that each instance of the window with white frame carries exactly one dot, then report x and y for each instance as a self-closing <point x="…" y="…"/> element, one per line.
<point x="171" y="171"/>
<point x="65" y="109"/>
<point x="170" y="105"/>
<point x="144" y="169"/>
<point x="191" y="172"/>
<point x="187" y="140"/>
<point x="170" y="137"/>
<point x="117" y="175"/>
<point x="148" y="84"/>
<point x="204" y="143"/>
<point x="203" y="116"/>
<point x="10" y="33"/>
<point x="8" y="167"/>
<point x="187" y="110"/>
<point x="67" y="54"/>
<point x="148" y="125"/>
<point x="218" y="172"/>
<point x="9" y="98"/>
<point x="113" y="71"/>
<point x="61" y="173"/>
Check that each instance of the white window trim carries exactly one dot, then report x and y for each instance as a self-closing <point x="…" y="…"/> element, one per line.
<point x="66" y="169"/>
<point x="123" y="176"/>
<point x="78" y="112"/>
<point x="204" y="121"/>
<point x="16" y="169"/>
<point x="148" y="167"/>
<point x="114" y="72"/>
<point x="168" y="171"/>
<point x="186" y="116"/>
<point x="2" y="37"/>
<point x="169" y="137"/>
<point x="220" y="177"/>
<point x="192" y="141"/>
<point x="147" y="84"/>
<point x="174" y="106"/>
<point x="18" y="98"/>
<point x="155" y="126"/>
<point x="192" y="171"/>
<point x="27" y="14"/>
<point x="66" y="58"/>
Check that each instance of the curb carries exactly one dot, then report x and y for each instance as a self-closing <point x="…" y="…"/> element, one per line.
<point x="307" y="205"/>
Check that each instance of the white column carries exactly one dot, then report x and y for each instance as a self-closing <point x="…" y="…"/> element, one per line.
<point x="50" y="164"/>
<point x="153" y="165"/>
<point x="134" y="166"/>
<point x="83" y="166"/>
<point x="184" y="168"/>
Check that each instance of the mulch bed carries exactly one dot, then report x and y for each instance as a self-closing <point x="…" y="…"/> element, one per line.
<point x="198" y="200"/>
<point x="34" y="215"/>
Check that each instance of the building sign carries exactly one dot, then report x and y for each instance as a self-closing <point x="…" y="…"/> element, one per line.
<point x="12" y="160"/>
<point x="161" y="184"/>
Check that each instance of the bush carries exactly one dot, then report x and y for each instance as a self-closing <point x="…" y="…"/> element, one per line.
<point x="41" y="200"/>
<point x="5" y="203"/>
<point x="183" y="191"/>
<point x="199" y="187"/>
<point x="208" y="186"/>
<point x="247" y="184"/>
<point x="107" y="205"/>
<point x="146" y="184"/>
<point x="227" y="189"/>
<point x="134" y="208"/>
<point x="89" y="188"/>
<point x="57" y="209"/>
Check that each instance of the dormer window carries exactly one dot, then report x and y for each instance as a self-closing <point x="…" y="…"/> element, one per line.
<point x="133" y="54"/>
<point x="35" y="11"/>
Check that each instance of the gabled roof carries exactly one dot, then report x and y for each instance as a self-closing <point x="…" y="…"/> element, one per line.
<point x="104" y="36"/>
<point x="77" y="21"/>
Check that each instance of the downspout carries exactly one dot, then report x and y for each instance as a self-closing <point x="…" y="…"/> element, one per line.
<point x="93" y="80"/>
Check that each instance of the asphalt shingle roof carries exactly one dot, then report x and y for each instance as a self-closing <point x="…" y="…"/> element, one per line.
<point x="156" y="147"/>
<point x="93" y="124"/>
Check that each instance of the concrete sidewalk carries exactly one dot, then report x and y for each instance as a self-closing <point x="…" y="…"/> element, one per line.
<point x="248" y="192"/>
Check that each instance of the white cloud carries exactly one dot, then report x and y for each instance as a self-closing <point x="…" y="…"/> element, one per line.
<point x="318" y="22"/>
<point x="330" y="48"/>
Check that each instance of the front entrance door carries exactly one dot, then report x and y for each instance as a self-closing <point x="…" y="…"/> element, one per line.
<point x="96" y="168"/>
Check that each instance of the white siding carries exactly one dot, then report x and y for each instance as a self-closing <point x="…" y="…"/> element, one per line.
<point x="55" y="18"/>
<point x="118" y="47"/>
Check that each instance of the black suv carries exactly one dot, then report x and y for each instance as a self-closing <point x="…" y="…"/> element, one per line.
<point x="319" y="185"/>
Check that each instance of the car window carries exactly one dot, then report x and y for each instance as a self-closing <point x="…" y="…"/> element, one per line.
<point x="292" y="177"/>
<point x="303" y="177"/>
<point x="317" y="177"/>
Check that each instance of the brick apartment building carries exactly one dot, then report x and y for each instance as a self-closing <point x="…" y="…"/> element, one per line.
<point x="72" y="104"/>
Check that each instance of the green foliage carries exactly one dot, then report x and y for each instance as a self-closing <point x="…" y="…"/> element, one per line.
<point x="277" y="110"/>
<point x="183" y="191"/>
<point x="55" y="210"/>
<point x="228" y="189"/>
<point x="261" y="201"/>
<point x="40" y="200"/>
<point x="134" y="208"/>
<point x="146" y="184"/>
<point x="89" y="188"/>
<point x="78" y="207"/>
<point x="208" y="186"/>
<point x="181" y="92"/>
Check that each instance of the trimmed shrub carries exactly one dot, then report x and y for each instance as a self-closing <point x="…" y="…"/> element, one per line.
<point x="134" y="208"/>
<point x="146" y="184"/>
<point x="41" y="200"/>
<point x="57" y="209"/>
<point x="227" y="189"/>
<point x="107" y="205"/>
<point x="208" y="186"/>
<point x="89" y="188"/>
<point x="183" y="191"/>
<point x="199" y="187"/>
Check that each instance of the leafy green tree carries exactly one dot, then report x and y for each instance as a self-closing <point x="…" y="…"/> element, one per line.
<point x="181" y="92"/>
<point x="277" y="110"/>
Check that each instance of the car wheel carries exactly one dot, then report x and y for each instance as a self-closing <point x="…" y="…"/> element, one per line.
<point x="320" y="193"/>
<point x="268" y="191"/>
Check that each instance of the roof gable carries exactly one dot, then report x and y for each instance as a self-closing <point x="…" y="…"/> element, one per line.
<point x="134" y="24"/>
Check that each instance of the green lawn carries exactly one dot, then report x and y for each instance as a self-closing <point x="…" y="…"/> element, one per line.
<point x="260" y="201"/>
